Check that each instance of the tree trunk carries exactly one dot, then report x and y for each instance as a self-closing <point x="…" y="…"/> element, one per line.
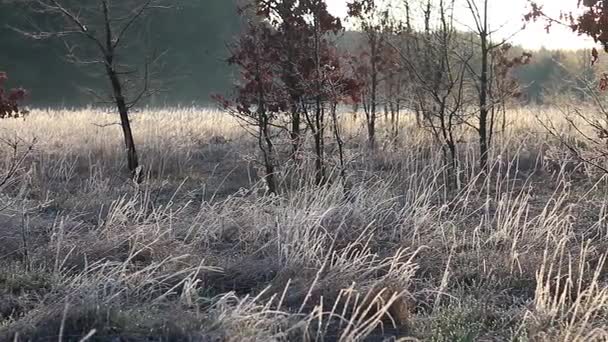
<point x="267" y="151"/>
<point x="319" y="143"/>
<point x="119" y="98"/>
<point x="371" y="113"/>
<point x="319" y="124"/>
<point x="483" y="93"/>
<point x="123" y="110"/>
<point x="454" y="163"/>
<point x="339" y="142"/>
<point x="264" y="139"/>
<point x="295" y="133"/>
<point x="483" y="111"/>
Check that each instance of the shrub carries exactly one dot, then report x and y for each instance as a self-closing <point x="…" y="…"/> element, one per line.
<point x="11" y="100"/>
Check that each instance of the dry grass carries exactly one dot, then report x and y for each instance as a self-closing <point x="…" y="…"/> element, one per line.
<point x="197" y="252"/>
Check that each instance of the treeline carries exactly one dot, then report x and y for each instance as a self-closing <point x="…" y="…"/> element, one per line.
<point x="190" y="38"/>
<point x="548" y="75"/>
<point x="553" y="74"/>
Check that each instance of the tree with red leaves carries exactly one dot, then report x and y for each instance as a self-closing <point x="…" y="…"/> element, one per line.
<point x="258" y="98"/>
<point x="288" y="42"/>
<point x="327" y="84"/>
<point x="289" y="70"/>
<point x="10" y="100"/>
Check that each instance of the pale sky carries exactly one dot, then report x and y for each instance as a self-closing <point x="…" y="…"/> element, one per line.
<point x="507" y="15"/>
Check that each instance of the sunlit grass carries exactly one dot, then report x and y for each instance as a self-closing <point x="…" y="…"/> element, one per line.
<point x="394" y="252"/>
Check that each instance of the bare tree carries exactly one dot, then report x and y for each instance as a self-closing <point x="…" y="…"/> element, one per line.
<point x="437" y="69"/>
<point x="97" y="33"/>
<point x="480" y="16"/>
<point x="13" y="169"/>
<point x="374" y="19"/>
<point x="504" y="85"/>
<point x="484" y="76"/>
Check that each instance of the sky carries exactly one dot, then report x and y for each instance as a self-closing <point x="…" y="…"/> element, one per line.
<point x="507" y="15"/>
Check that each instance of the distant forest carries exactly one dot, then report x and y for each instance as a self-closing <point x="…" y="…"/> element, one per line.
<point x="191" y="40"/>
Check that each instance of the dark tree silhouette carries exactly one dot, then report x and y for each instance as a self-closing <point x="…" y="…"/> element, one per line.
<point x="97" y="32"/>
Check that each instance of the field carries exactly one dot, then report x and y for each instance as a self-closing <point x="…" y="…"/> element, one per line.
<point x="198" y="251"/>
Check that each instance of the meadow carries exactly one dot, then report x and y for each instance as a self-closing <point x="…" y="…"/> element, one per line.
<point x="199" y="252"/>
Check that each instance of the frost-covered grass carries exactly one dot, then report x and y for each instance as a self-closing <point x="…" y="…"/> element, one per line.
<point x="198" y="251"/>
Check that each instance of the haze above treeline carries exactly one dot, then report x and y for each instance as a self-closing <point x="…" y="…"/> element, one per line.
<point x="192" y="41"/>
